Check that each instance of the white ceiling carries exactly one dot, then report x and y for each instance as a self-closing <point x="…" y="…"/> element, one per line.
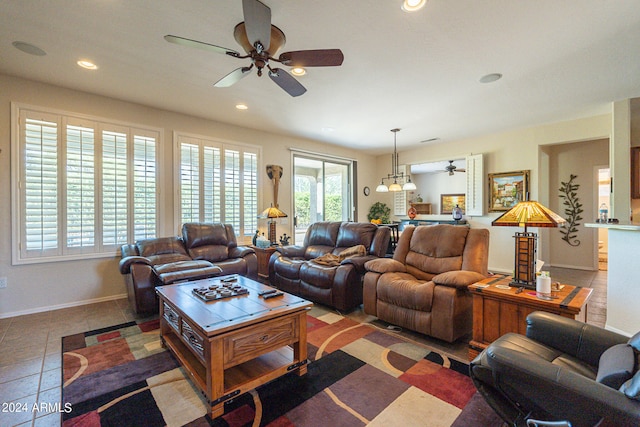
<point x="560" y="60"/>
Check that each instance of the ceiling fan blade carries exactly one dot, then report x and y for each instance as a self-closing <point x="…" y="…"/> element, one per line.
<point x="257" y="20"/>
<point x="200" y="45"/>
<point x="461" y="170"/>
<point x="233" y="77"/>
<point x="312" y="58"/>
<point x="287" y="82"/>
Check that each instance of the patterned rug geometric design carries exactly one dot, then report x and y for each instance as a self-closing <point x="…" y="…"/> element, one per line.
<point x="358" y="375"/>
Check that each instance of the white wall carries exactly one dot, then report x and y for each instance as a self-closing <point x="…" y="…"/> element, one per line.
<point x="431" y="185"/>
<point x="53" y="285"/>
<point x="511" y="150"/>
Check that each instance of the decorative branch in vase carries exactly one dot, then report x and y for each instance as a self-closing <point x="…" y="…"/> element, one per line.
<point x="572" y="210"/>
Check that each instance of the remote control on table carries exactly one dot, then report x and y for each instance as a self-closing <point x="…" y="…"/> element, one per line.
<point x="269" y="291"/>
<point x="273" y="295"/>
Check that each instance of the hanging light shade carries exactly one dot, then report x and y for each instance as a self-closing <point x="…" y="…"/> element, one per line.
<point x="395" y="175"/>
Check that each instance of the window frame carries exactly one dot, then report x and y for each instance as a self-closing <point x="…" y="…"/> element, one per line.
<point x="63" y="118"/>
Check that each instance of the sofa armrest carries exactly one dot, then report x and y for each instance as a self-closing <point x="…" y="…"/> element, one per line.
<point x="385" y="265"/>
<point x="458" y="279"/>
<point x="358" y="262"/>
<point x="125" y="263"/>
<point x="129" y="250"/>
<point x="240" y="252"/>
<point x="291" y="251"/>
<point x="586" y="342"/>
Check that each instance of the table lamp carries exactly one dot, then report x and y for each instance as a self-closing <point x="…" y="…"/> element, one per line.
<point x="272" y="213"/>
<point x="527" y="214"/>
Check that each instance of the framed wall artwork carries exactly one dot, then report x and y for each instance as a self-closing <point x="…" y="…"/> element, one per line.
<point x="507" y="189"/>
<point x="449" y="201"/>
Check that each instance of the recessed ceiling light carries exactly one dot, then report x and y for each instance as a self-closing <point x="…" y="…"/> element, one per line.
<point x="490" y="78"/>
<point x="298" y="71"/>
<point x="241" y="107"/>
<point x="29" y="48"/>
<point x="87" y="64"/>
<point x="413" y="5"/>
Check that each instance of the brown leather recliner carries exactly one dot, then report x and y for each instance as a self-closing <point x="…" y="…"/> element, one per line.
<point x="292" y="269"/>
<point x="424" y="286"/>
<point x="203" y="250"/>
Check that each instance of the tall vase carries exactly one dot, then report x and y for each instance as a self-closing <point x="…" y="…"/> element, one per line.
<point x="412" y="212"/>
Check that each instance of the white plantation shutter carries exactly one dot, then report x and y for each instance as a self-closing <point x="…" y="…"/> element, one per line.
<point x="40" y="187"/>
<point x="145" y="203"/>
<point x="80" y="188"/>
<point x="212" y="184"/>
<point x="86" y="186"/>
<point x="250" y="190"/>
<point x="115" y="209"/>
<point x="218" y="183"/>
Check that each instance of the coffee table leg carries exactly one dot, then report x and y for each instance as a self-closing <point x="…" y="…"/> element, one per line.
<point x="215" y="377"/>
<point x="300" y="347"/>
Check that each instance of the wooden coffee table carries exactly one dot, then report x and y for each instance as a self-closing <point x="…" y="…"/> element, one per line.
<point x="499" y="308"/>
<point x="233" y="345"/>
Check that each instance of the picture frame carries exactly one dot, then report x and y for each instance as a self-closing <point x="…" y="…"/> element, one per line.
<point x="507" y="189"/>
<point x="449" y="201"/>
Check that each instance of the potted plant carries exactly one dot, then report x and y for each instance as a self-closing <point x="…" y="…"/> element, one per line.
<point x="379" y="213"/>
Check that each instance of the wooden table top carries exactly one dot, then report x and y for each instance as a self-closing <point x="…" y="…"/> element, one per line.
<point x="571" y="298"/>
<point x="219" y="316"/>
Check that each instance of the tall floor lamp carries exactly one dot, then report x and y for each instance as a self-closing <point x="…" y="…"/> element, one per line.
<point x="527" y="214"/>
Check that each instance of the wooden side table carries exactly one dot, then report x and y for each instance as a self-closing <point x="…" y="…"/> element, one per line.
<point x="263" y="255"/>
<point x="498" y="309"/>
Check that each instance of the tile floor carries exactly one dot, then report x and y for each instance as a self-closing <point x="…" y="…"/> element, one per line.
<point x="30" y="360"/>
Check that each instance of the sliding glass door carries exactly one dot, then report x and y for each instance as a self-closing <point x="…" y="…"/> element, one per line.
<point x="322" y="191"/>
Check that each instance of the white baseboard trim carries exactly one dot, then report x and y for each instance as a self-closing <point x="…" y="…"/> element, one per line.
<point x="501" y="271"/>
<point x="575" y="267"/>
<point x="61" y="306"/>
<point x="616" y="330"/>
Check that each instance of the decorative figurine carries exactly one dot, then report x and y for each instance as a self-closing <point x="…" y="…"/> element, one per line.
<point x="457" y="214"/>
<point x="255" y="237"/>
<point x="284" y="239"/>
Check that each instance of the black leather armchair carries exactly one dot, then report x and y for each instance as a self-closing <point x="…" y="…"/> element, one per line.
<point x="562" y="370"/>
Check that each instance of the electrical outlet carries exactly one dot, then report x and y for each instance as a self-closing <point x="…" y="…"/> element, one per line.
<point x="3" y="282"/>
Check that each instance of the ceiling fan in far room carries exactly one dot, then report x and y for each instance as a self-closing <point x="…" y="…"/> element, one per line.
<point x="260" y="40"/>
<point x="451" y="168"/>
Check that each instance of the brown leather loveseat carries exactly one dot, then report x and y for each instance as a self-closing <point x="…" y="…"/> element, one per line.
<point x="293" y="269"/>
<point x="203" y="250"/>
<point x="424" y="286"/>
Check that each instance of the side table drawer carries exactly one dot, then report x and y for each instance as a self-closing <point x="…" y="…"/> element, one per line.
<point x="193" y="339"/>
<point x="253" y="341"/>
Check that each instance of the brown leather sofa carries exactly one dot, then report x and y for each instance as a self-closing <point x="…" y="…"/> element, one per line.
<point x="203" y="250"/>
<point x="424" y="286"/>
<point x="292" y="269"/>
<point x="563" y="370"/>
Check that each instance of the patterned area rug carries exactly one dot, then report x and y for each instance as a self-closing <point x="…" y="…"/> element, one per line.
<point x="358" y="375"/>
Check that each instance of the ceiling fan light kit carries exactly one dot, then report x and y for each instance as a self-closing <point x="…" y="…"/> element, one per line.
<point x="413" y="5"/>
<point x="261" y="40"/>
<point x="408" y="185"/>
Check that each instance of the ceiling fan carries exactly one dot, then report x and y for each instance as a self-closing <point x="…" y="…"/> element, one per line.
<point x="260" y="40"/>
<point x="451" y="168"/>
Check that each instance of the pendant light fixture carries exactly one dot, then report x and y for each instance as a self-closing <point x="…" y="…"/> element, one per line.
<point x="395" y="175"/>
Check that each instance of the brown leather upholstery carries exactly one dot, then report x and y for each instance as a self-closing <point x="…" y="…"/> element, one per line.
<point x="203" y="250"/>
<point x="291" y="268"/>
<point x="424" y="286"/>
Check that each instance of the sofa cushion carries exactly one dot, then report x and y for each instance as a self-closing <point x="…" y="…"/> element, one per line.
<point x="616" y="365"/>
<point x="320" y="276"/>
<point x="437" y="248"/>
<point x="209" y="242"/>
<point x="355" y="233"/>
<point x="160" y="246"/>
<point x="403" y="290"/>
<point x="288" y="267"/>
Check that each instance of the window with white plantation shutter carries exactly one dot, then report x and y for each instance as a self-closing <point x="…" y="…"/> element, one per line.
<point x="218" y="183"/>
<point x="85" y="186"/>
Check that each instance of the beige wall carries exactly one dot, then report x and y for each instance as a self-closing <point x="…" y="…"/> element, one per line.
<point x="510" y="151"/>
<point x="53" y="285"/>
